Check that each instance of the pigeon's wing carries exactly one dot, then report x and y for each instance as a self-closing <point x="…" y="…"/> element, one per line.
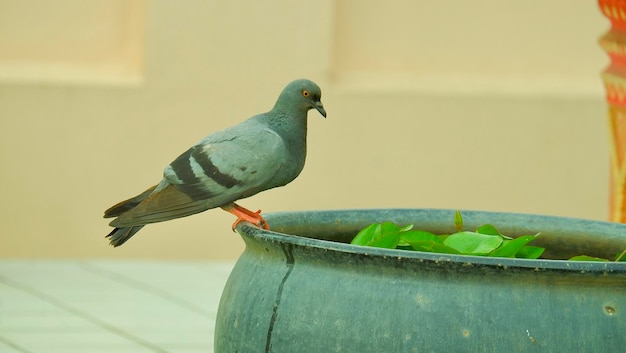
<point x="227" y="166"/>
<point x="220" y="169"/>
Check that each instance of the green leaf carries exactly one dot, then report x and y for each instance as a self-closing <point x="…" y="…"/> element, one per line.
<point x="487" y="229"/>
<point x="406" y="228"/>
<point x="510" y="247"/>
<point x="426" y="241"/>
<point x="443" y="237"/>
<point x="473" y="243"/>
<point x="367" y="234"/>
<point x="387" y="228"/>
<point x="380" y="235"/>
<point x="491" y="230"/>
<point x="587" y="258"/>
<point x="417" y="236"/>
<point x="529" y="252"/>
<point x="621" y="256"/>
<point x="389" y="241"/>
<point x="433" y="246"/>
<point x="458" y="221"/>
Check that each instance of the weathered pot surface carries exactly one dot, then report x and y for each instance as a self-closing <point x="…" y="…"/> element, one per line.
<point x="315" y="293"/>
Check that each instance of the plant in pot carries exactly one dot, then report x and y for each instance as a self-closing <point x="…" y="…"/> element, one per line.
<point x="301" y="287"/>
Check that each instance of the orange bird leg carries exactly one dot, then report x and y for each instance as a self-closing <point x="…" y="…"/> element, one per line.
<point x="245" y="215"/>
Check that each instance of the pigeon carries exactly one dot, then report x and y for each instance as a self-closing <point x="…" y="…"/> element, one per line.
<point x="263" y="152"/>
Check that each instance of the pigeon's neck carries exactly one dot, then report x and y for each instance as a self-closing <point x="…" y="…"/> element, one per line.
<point x="287" y="123"/>
<point x="291" y="126"/>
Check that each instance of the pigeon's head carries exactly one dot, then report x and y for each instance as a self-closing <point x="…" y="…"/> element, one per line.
<point x="302" y="95"/>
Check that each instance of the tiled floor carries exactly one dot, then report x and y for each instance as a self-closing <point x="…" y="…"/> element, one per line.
<point x="109" y="306"/>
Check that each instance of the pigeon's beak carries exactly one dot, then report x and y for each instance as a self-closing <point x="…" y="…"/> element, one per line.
<point x="320" y="108"/>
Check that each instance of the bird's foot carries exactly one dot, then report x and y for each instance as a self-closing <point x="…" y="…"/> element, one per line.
<point x="245" y="215"/>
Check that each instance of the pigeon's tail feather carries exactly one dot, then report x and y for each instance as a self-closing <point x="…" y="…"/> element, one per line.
<point x="163" y="205"/>
<point x="127" y="205"/>
<point x="120" y="235"/>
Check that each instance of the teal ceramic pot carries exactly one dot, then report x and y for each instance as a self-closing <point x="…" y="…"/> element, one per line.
<point x="302" y="288"/>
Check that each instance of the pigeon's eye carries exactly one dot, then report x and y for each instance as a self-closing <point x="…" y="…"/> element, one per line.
<point x="306" y="94"/>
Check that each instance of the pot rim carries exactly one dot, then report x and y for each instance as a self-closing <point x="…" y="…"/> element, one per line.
<point x="617" y="229"/>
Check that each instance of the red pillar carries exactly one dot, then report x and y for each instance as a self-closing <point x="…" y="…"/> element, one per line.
<point x="614" y="77"/>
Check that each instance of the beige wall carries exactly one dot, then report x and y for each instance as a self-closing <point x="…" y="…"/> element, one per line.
<point x="493" y="105"/>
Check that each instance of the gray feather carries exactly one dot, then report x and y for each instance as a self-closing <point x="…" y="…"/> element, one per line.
<point x="119" y="236"/>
